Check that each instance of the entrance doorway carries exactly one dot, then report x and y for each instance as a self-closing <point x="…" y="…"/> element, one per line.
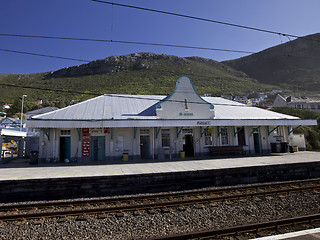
<point x="241" y="137"/>
<point x="98" y="148"/>
<point x="145" y="146"/>
<point x="188" y="145"/>
<point x="64" y="149"/>
<point x="256" y="141"/>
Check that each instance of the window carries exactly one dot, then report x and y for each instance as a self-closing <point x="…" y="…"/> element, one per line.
<point x="65" y="133"/>
<point x="165" y="136"/>
<point x="144" y="131"/>
<point x="187" y="131"/>
<point x="224" y="136"/>
<point x="208" y="139"/>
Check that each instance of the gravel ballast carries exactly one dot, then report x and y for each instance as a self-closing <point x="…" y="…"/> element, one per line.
<point x="159" y="222"/>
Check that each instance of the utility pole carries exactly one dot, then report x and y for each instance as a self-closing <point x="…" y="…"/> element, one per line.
<point x="23" y="96"/>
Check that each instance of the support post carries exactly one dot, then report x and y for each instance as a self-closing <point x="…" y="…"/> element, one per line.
<point x="204" y="130"/>
<point x="157" y="131"/>
<point x="47" y="133"/>
<point x="178" y="131"/>
<point x="254" y="130"/>
<point x="79" y="133"/>
<point x="219" y="130"/>
<point x="292" y="129"/>
<point x="269" y="132"/>
<point x="235" y="132"/>
<point x="135" y="132"/>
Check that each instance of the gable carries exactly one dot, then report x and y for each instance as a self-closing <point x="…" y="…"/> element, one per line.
<point x="184" y="103"/>
<point x="7" y="121"/>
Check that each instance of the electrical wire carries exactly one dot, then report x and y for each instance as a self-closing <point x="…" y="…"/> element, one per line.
<point x="43" y="55"/>
<point x="203" y="19"/>
<point x="124" y="42"/>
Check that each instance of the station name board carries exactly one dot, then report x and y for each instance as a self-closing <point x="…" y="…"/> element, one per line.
<point x="203" y="123"/>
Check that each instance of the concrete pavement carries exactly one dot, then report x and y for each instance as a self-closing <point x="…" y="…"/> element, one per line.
<point x="22" y="170"/>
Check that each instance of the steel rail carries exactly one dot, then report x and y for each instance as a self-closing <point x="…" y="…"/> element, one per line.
<point x="144" y="206"/>
<point x="242" y="228"/>
<point x="223" y="190"/>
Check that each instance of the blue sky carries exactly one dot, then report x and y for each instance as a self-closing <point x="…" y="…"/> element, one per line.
<point x="87" y="19"/>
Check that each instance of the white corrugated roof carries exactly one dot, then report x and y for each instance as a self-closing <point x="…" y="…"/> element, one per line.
<point x="108" y="107"/>
<point x="104" y="107"/>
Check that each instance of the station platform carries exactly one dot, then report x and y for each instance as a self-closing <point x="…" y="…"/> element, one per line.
<point x="22" y="170"/>
<point x="20" y="181"/>
<point x="311" y="234"/>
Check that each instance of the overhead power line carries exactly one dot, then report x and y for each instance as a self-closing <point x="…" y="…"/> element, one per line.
<point x="192" y="17"/>
<point x="203" y="19"/>
<point x="124" y="42"/>
<point x="43" y="55"/>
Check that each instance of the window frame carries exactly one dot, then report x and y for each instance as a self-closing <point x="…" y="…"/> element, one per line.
<point x="65" y="132"/>
<point x="165" y="138"/>
<point x="208" y="136"/>
<point x="224" y="136"/>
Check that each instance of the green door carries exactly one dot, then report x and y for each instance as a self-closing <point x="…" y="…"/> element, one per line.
<point x="65" y="148"/>
<point x="256" y="140"/>
<point x="145" y="147"/>
<point x="98" y="148"/>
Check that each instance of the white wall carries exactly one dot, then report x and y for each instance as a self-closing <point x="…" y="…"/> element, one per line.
<point x="123" y="141"/>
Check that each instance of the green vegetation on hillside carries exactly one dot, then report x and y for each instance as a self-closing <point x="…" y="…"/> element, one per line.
<point x="293" y="66"/>
<point x="157" y="76"/>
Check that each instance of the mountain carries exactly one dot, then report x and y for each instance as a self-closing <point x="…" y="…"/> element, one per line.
<point x="294" y="65"/>
<point x="137" y="73"/>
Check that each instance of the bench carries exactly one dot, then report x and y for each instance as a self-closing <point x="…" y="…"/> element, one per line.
<point x="226" y="150"/>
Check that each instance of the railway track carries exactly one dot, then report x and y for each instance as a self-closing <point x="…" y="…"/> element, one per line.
<point x="258" y="229"/>
<point x="145" y="202"/>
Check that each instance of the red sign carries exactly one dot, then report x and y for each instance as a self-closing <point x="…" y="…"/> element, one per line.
<point x="85" y="142"/>
<point x="85" y="132"/>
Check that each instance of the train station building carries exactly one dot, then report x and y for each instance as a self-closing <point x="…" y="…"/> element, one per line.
<point x="182" y="124"/>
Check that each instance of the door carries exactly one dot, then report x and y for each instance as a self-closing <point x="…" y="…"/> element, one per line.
<point x="145" y="147"/>
<point x="256" y="140"/>
<point x="98" y="148"/>
<point x="64" y="149"/>
<point x="188" y="145"/>
<point x="241" y="137"/>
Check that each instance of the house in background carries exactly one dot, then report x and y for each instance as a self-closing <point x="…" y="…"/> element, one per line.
<point x="27" y="139"/>
<point x="7" y="106"/>
<point x="110" y="127"/>
<point x="32" y="139"/>
<point x="39" y="111"/>
<point x="311" y="103"/>
<point x="12" y="123"/>
<point x="241" y="99"/>
<point x="11" y="131"/>
<point x="39" y="101"/>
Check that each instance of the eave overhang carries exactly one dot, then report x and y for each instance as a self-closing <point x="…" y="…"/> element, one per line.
<point x="120" y="123"/>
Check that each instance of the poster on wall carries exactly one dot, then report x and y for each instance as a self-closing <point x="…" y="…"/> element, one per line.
<point x="85" y="132"/>
<point x="85" y="142"/>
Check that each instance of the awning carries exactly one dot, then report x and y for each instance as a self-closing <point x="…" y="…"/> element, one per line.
<point x="12" y="133"/>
